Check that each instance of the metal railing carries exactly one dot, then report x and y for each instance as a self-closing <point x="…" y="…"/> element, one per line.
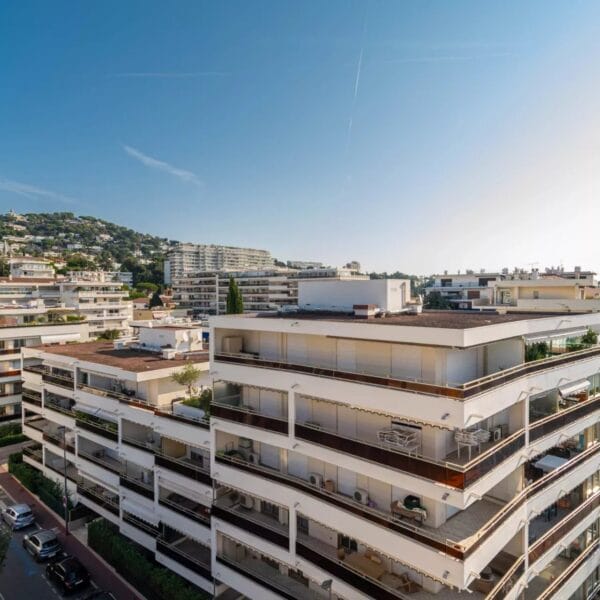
<point x="459" y="391"/>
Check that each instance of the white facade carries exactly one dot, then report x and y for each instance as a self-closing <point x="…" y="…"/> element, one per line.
<point x="262" y="290"/>
<point x="465" y="290"/>
<point x="193" y="258"/>
<point x="30" y="267"/>
<point x="26" y="325"/>
<point x="136" y="454"/>
<point x="412" y="454"/>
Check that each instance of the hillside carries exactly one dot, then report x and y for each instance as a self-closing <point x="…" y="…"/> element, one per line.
<point x="84" y="242"/>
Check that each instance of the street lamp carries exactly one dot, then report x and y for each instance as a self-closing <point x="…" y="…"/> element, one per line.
<point x="65" y="496"/>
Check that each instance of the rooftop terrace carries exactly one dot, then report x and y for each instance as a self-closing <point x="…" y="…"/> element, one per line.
<point x="136" y="361"/>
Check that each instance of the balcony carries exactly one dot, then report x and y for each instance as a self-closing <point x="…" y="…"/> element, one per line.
<point x="458" y="537"/>
<point x="249" y="417"/>
<point x="35" y="452"/>
<point x="244" y="511"/>
<point x="249" y="563"/>
<point x="140" y="524"/>
<point x="187" y="552"/>
<point x="549" y="583"/>
<point x="101" y="427"/>
<point x="100" y="457"/>
<point x="458" y="391"/>
<point x="99" y="495"/>
<point x="58" y="465"/>
<point x="195" y="469"/>
<point x="184" y="506"/>
<point x="126" y="396"/>
<point x="31" y="397"/>
<point x="60" y="378"/>
<point x="137" y="485"/>
<point x="59" y="404"/>
<point x="177" y="411"/>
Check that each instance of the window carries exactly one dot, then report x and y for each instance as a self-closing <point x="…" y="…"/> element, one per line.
<point x="302" y="525"/>
<point x="536" y="295"/>
<point x="266" y="508"/>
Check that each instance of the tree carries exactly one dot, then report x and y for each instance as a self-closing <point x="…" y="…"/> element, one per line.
<point x="146" y="286"/>
<point x="155" y="300"/>
<point x="436" y="301"/>
<point x="235" y="303"/>
<point x="110" y="334"/>
<point x="187" y="377"/>
<point x="4" y="268"/>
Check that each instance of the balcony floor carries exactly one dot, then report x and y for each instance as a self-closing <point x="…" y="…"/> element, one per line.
<point x="462" y="526"/>
<point x="252" y="515"/>
<point x="538" y="584"/>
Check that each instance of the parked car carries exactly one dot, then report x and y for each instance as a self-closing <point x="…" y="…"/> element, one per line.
<point x="68" y="574"/>
<point x="42" y="544"/>
<point x="18" y="516"/>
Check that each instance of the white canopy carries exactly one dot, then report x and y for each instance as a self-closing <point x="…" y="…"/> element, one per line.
<point x="549" y="463"/>
<point x="574" y="387"/>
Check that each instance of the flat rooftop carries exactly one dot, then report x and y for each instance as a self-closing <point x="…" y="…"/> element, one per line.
<point x="135" y="361"/>
<point x="445" y="319"/>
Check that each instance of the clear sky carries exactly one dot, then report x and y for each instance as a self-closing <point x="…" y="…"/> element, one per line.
<point x="417" y="136"/>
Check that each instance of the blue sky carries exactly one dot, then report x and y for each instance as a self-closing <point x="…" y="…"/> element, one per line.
<point x="418" y="136"/>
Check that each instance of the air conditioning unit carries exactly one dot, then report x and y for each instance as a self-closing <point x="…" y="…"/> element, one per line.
<point x="361" y="496"/>
<point x="245" y="444"/>
<point x="497" y="434"/>
<point x="253" y="458"/>
<point x="316" y="479"/>
<point x="247" y="502"/>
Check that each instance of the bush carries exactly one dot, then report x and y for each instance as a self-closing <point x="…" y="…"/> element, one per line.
<point x="10" y="429"/>
<point x="49" y="491"/>
<point x="153" y="581"/>
<point x="536" y="351"/>
<point x="7" y="440"/>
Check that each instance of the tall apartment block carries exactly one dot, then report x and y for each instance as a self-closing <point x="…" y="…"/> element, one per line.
<point x="111" y="418"/>
<point x="193" y="258"/>
<point x="265" y="290"/>
<point x="363" y="450"/>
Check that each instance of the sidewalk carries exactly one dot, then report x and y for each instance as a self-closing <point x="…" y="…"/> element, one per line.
<point x="103" y="574"/>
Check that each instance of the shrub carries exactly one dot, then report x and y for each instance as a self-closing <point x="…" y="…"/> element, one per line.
<point x="536" y="351"/>
<point x="153" y="581"/>
<point x="10" y="429"/>
<point x="8" y="440"/>
<point x="589" y="337"/>
<point x="49" y="491"/>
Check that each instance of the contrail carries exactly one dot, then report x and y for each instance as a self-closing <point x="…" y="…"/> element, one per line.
<point x="356" y="83"/>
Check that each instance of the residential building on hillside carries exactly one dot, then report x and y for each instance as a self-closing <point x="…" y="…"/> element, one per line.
<point x="27" y="266"/>
<point x="372" y="452"/>
<point x="261" y="290"/>
<point x="125" y="277"/>
<point x="193" y="258"/>
<point x="102" y="303"/>
<point x="25" y="325"/>
<point x="136" y="453"/>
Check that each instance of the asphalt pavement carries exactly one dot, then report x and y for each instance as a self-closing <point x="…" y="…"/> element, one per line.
<point x="23" y="578"/>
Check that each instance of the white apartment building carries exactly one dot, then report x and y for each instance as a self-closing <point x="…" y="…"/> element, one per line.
<point x="136" y="453"/>
<point x="193" y="258"/>
<point x="125" y="277"/>
<point x="465" y="290"/>
<point x="369" y="452"/>
<point x="548" y="292"/>
<point x="27" y="266"/>
<point x="102" y="303"/>
<point x="262" y="290"/>
<point x="26" y="325"/>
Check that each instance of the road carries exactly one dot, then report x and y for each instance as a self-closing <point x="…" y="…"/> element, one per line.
<point x="22" y="577"/>
<point x="6" y="451"/>
<point x="18" y="572"/>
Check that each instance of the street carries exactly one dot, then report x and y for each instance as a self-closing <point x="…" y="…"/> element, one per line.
<point x="22" y="577"/>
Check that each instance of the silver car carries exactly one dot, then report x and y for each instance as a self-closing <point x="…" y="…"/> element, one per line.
<point x="18" y="516"/>
<point x="42" y="544"/>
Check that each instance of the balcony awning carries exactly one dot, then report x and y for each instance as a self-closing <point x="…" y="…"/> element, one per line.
<point x="537" y="337"/>
<point x="573" y="387"/>
<point x="140" y="511"/>
<point x="60" y="337"/>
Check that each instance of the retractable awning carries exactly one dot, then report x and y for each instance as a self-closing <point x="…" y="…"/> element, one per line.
<point x="140" y="511"/>
<point x="574" y="387"/>
<point x="530" y="339"/>
<point x="60" y="337"/>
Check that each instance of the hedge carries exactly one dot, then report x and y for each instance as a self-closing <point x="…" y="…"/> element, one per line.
<point x="10" y="429"/>
<point x="8" y="440"/>
<point x="155" y="582"/>
<point x="49" y="491"/>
